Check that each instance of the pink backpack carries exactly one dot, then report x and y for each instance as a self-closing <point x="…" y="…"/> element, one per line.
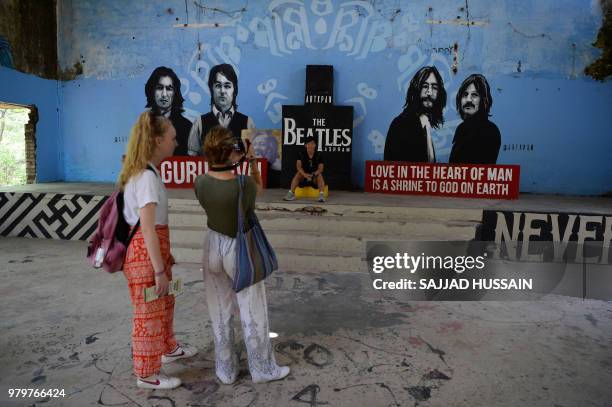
<point x="108" y="245"/>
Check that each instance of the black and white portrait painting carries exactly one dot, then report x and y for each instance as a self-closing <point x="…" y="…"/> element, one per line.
<point x="163" y="92"/>
<point x="477" y="139"/>
<point x="409" y="136"/>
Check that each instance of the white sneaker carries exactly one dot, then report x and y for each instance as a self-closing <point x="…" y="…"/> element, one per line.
<point x="181" y="352"/>
<point x="321" y="197"/>
<point x="281" y="373"/>
<point x="158" y="382"/>
<point x="290" y="196"/>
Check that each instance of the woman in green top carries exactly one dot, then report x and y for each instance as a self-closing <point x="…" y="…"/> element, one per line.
<point x="217" y="192"/>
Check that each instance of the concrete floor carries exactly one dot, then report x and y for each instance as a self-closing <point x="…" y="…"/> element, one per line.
<point x="66" y="325"/>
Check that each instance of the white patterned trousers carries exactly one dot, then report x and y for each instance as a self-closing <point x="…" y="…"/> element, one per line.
<point x="219" y="265"/>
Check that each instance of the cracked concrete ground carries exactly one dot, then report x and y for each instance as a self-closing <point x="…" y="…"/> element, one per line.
<point x="67" y="326"/>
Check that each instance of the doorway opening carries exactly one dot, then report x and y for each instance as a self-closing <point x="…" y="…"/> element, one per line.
<point x="17" y="144"/>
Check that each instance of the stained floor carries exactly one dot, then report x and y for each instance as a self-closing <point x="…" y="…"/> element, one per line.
<point x="67" y="326"/>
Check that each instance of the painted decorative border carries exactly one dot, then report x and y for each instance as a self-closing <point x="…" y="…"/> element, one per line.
<point x="49" y="215"/>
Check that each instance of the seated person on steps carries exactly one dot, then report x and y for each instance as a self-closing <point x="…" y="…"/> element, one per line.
<point x="310" y="169"/>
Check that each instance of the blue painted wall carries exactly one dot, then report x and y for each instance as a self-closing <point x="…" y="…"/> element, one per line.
<point x="532" y="52"/>
<point x="23" y="89"/>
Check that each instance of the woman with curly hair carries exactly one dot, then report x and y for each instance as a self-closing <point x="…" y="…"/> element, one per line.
<point x="218" y="193"/>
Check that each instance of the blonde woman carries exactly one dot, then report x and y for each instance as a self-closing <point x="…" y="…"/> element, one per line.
<point x="148" y="260"/>
<point x="217" y="192"/>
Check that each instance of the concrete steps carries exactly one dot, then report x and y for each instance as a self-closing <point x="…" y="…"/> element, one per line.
<point x="323" y="238"/>
<point x="314" y="241"/>
<point x="343" y="226"/>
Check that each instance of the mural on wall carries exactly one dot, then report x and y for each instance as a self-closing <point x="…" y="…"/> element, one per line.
<point x="266" y="144"/>
<point x="329" y="127"/>
<point x="288" y="28"/>
<point x="410" y="62"/>
<point x="378" y="141"/>
<point x="163" y="92"/>
<point x="409" y="136"/>
<point x="272" y="106"/>
<point x="49" y="216"/>
<point x="477" y="140"/>
<point x="379" y="46"/>
<point x="223" y="87"/>
<point x="356" y="31"/>
<point x="359" y="102"/>
<point x="202" y="60"/>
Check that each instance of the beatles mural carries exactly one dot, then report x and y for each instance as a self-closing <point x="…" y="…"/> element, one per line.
<point x="267" y="145"/>
<point x="409" y="135"/>
<point x="223" y="86"/>
<point x="477" y="139"/>
<point x="163" y="92"/>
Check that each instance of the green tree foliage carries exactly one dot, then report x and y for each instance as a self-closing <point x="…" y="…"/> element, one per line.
<point x="12" y="146"/>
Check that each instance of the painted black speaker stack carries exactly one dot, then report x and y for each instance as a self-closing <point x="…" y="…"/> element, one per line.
<point x="330" y="125"/>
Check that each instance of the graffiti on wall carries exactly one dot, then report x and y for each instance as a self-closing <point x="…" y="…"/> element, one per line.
<point x="351" y="28"/>
<point x="354" y="30"/>
<point x="273" y="104"/>
<point x="359" y="102"/>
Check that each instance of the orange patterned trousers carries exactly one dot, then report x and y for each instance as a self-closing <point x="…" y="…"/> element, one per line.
<point x="152" y="322"/>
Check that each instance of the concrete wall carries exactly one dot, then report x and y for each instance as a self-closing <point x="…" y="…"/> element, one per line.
<point x="554" y="121"/>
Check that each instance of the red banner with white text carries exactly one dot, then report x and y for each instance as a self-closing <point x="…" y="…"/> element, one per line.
<point x="181" y="171"/>
<point x="458" y="180"/>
